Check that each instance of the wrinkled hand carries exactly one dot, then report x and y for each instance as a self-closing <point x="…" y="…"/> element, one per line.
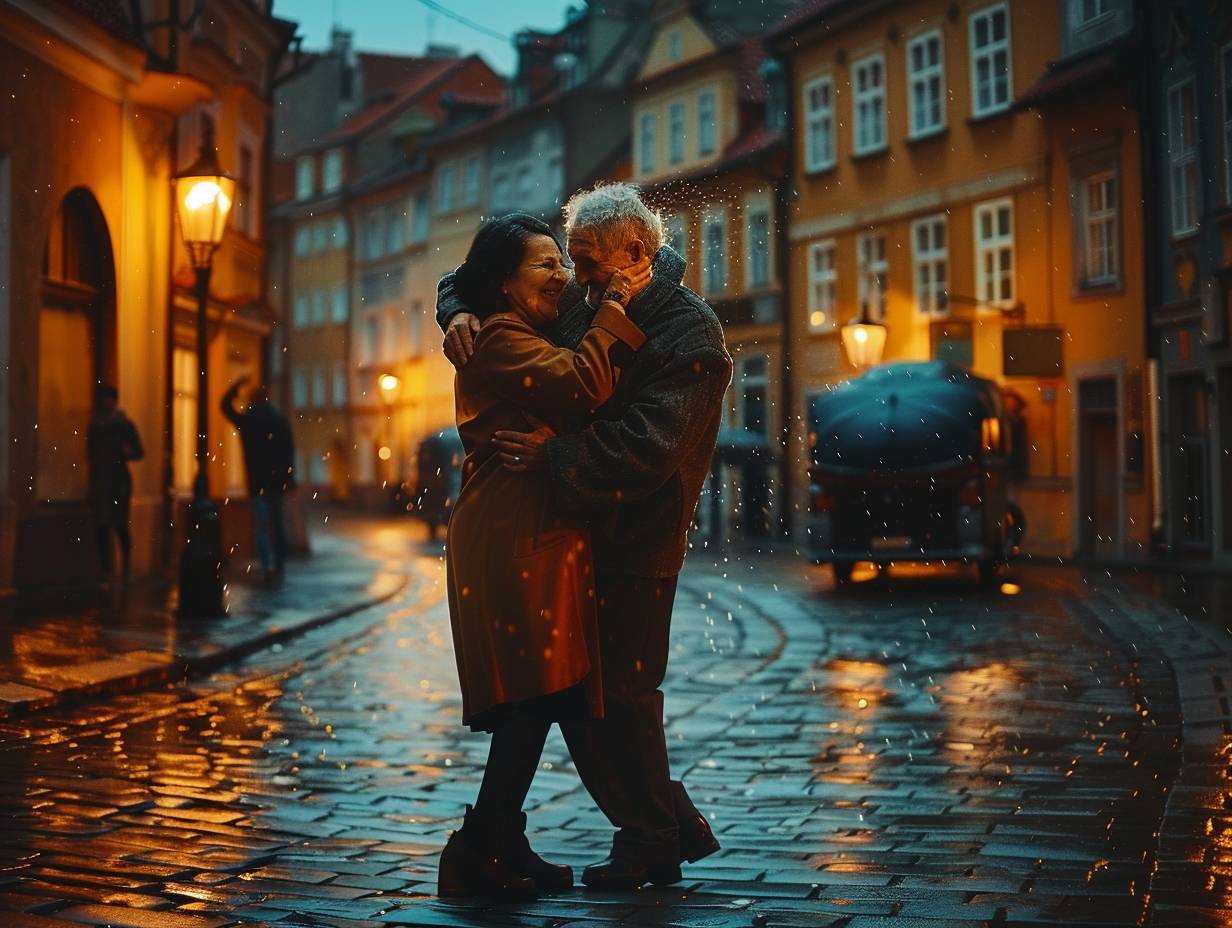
<point x="633" y="279"/>
<point x="523" y="451"/>
<point x="459" y="342"/>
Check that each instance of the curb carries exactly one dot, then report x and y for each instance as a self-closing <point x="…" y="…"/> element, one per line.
<point x="170" y="669"/>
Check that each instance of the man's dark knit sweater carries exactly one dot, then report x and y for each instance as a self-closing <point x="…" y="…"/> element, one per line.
<point x="638" y="469"/>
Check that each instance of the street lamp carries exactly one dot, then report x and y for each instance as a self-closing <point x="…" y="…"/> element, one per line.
<point x="864" y="340"/>
<point x="389" y="384"/>
<point x="203" y="198"/>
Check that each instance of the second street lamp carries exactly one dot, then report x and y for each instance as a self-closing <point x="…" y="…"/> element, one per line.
<point x="203" y="198"/>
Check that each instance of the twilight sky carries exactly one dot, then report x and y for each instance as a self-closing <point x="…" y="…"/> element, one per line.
<point x="406" y="26"/>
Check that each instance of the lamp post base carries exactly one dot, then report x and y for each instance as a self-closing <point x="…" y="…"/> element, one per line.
<point x="201" y="594"/>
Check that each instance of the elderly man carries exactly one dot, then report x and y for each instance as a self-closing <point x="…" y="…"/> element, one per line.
<point x="638" y="470"/>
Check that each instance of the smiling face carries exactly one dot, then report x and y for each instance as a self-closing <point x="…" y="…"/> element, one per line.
<point x="594" y="265"/>
<point x="535" y="287"/>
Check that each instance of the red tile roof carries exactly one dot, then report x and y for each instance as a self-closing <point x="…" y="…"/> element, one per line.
<point x="386" y="73"/>
<point x="429" y="72"/>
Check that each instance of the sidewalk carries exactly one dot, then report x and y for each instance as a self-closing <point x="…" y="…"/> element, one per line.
<point x="90" y="644"/>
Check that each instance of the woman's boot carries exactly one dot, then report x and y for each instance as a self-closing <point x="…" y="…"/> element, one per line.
<point x="522" y="858"/>
<point x="475" y="864"/>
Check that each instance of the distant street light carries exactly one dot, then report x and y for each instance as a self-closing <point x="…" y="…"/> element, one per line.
<point x="389" y="384"/>
<point x="204" y="195"/>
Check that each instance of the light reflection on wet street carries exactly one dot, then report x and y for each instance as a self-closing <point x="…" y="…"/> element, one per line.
<point x="912" y="751"/>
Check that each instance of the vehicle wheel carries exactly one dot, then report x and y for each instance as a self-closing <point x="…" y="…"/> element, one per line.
<point x="842" y="573"/>
<point x="990" y="573"/>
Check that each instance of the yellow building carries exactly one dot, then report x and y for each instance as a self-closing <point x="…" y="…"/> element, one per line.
<point x="96" y="122"/>
<point x="924" y="200"/>
<point x="711" y="156"/>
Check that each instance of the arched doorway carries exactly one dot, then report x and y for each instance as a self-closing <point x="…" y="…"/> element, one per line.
<point x="76" y="342"/>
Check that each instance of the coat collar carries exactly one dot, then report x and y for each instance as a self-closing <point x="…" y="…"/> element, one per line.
<point x="668" y="269"/>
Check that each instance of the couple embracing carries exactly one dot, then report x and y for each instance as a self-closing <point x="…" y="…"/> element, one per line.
<point x="589" y="404"/>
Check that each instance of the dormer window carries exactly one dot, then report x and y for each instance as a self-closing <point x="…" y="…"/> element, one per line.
<point x="675" y="49"/>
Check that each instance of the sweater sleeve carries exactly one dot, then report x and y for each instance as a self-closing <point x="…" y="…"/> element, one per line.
<point x="526" y="369"/>
<point x="631" y="457"/>
<point x="448" y="303"/>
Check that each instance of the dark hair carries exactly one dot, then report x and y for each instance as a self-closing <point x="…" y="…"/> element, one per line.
<point x="496" y="253"/>
<point x="105" y="391"/>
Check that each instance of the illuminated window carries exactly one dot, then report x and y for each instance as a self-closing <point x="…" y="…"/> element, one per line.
<point x="873" y="270"/>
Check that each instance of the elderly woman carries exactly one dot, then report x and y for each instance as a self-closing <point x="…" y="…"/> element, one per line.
<point x="520" y="576"/>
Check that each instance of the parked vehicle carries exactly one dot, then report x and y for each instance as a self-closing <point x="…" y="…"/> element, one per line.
<point x="911" y="462"/>
<point x="438" y="480"/>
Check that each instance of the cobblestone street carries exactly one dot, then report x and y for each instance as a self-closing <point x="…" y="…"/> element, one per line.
<point x="913" y="751"/>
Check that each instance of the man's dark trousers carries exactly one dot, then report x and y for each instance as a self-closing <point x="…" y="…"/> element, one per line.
<point x="622" y="758"/>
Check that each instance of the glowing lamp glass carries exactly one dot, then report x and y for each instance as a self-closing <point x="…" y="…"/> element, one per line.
<point x="388" y="382"/>
<point x="864" y="343"/>
<point x="203" y="204"/>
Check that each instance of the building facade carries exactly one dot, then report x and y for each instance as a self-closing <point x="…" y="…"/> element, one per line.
<point x="1187" y="149"/>
<point x="709" y="147"/>
<point x="1102" y="508"/>
<point x="932" y="201"/>
<point x="95" y="289"/>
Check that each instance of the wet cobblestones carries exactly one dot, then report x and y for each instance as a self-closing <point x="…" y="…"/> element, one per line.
<point x="911" y="752"/>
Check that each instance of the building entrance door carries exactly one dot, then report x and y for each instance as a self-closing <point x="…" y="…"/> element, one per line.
<point x="1190" y="483"/>
<point x="1099" y="494"/>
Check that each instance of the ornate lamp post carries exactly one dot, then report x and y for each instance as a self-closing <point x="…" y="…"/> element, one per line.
<point x="203" y="198"/>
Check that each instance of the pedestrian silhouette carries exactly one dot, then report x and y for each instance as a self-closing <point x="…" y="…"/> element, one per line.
<point x="111" y="442"/>
<point x="269" y="452"/>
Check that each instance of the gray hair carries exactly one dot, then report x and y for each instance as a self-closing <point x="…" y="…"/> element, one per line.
<point x="615" y="213"/>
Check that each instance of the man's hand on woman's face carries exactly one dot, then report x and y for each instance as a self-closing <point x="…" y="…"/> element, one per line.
<point x="459" y="342"/>
<point x="633" y="279"/>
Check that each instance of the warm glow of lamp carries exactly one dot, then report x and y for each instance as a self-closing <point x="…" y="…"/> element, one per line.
<point x="384" y="453"/>
<point x="864" y="342"/>
<point x="388" y="384"/>
<point x="204" y="195"/>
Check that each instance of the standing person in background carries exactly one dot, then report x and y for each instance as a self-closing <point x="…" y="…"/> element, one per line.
<point x="111" y="442"/>
<point x="269" y="453"/>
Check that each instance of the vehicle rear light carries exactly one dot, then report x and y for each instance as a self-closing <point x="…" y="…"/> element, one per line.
<point x="970" y="494"/>
<point x="822" y="501"/>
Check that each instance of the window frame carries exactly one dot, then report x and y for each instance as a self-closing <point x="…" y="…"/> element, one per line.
<point x="707" y="126"/>
<point x="859" y="97"/>
<point x="827" y="278"/>
<point x="990" y="51"/>
<point x="1181" y="160"/>
<point x="339" y="386"/>
<point x="866" y="267"/>
<point x="819" y="120"/>
<point x="647" y="141"/>
<point x="1111" y="219"/>
<point x="932" y="257"/>
<point x="471" y="186"/>
<point x="447" y="188"/>
<point x="338" y="298"/>
<point x="758" y="206"/>
<point x="331" y="170"/>
<point x="995" y="245"/>
<point x="681" y="220"/>
<point x="305" y="180"/>
<point x="923" y="77"/>
<point x="717" y="217"/>
<point x="676" y="142"/>
<point x="742" y="382"/>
